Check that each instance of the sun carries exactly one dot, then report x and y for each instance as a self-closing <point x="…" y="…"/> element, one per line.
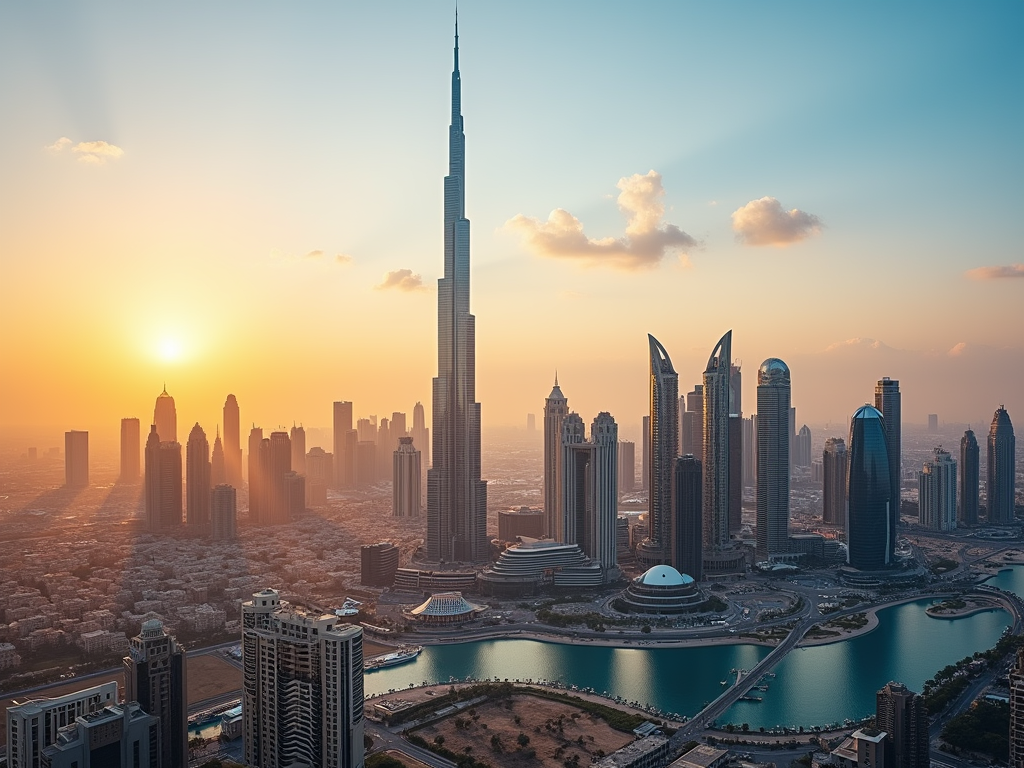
<point x="169" y="349"/>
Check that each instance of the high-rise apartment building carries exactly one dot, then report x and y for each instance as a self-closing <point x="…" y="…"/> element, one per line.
<point x="197" y="480"/>
<point x="232" y="443"/>
<point x="119" y="735"/>
<point x="344" y="445"/>
<point x="131" y="469"/>
<point x="749" y="452"/>
<point x="802" y="450"/>
<point x="902" y="714"/>
<point x="280" y="499"/>
<point x="689" y="517"/>
<point x="405" y="485"/>
<point x="735" y="449"/>
<point x="378" y="564"/>
<point x="1001" y="481"/>
<point x="664" y="421"/>
<point x="32" y="724"/>
<point x="936" y="496"/>
<point x="155" y="676"/>
<point x="319" y="475"/>
<point x="165" y="417"/>
<point x="933" y="422"/>
<point x="970" y="479"/>
<point x="590" y="495"/>
<point x="1016" y="711"/>
<point x="834" y="467"/>
<point x="218" y="469"/>
<point x="692" y="439"/>
<point x="773" y="453"/>
<point x="421" y="435"/>
<point x="888" y="403"/>
<point x="556" y="408"/>
<point x="871" y="546"/>
<point x="716" y="459"/>
<point x="645" y="451"/>
<point x="257" y="481"/>
<point x="456" y="496"/>
<point x="223" y="513"/>
<point x="298" y="441"/>
<point x="627" y="466"/>
<point x="163" y="483"/>
<point x="302" y="686"/>
<point x="76" y="459"/>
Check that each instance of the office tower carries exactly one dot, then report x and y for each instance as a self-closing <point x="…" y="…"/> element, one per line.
<point x="645" y="451"/>
<point x="384" y="449"/>
<point x="689" y="512"/>
<point x="792" y="439"/>
<point x="692" y="439"/>
<point x="1016" y="711"/>
<point x="749" y="452"/>
<point x="936" y="496"/>
<point x="868" y="534"/>
<point x="1002" y="456"/>
<point x="887" y="402"/>
<point x="398" y="427"/>
<point x="901" y="713"/>
<point x="232" y="443"/>
<point x="223" y="513"/>
<point x="556" y="407"/>
<point x="627" y="466"/>
<point x="279" y="509"/>
<point x="773" y="435"/>
<point x="456" y="496"/>
<point x="664" y="421"/>
<point x="684" y="428"/>
<point x="715" y="460"/>
<point x="405" y="484"/>
<point x="802" y="453"/>
<point x="590" y="494"/>
<point x="257" y="481"/>
<point x="166" y="418"/>
<point x="421" y="435"/>
<point x="155" y="676"/>
<point x="76" y="459"/>
<point x="933" y="422"/>
<point x="130" y="445"/>
<point x="531" y="423"/>
<point x="218" y="469"/>
<point x="833" y="467"/>
<point x="378" y="564"/>
<point x="163" y="483"/>
<point x="32" y="724"/>
<point x="295" y="496"/>
<point x="344" y="445"/>
<point x="302" y="686"/>
<point x="298" y="440"/>
<point x="319" y="474"/>
<point x="365" y="464"/>
<point x="366" y="430"/>
<point x="118" y="735"/>
<point x="197" y="480"/>
<point x="970" y="479"/>
<point x="735" y="449"/>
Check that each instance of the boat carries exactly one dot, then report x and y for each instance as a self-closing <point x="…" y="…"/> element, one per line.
<point x="750" y="698"/>
<point x="403" y="654"/>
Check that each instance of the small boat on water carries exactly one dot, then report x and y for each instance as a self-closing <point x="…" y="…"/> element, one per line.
<point x="750" y="698"/>
<point x="403" y="654"/>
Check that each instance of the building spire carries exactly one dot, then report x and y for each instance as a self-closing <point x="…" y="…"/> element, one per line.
<point x="556" y="377"/>
<point x="456" y="37"/>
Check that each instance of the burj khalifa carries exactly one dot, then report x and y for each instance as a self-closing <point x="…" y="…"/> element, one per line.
<point x="456" y="496"/>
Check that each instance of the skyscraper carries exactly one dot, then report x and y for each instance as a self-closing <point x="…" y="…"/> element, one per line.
<point x="645" y="453"/>
<point x="1017" y="711"/>
<point x="298" y="440"/>
<point x="421" y="435"/>
<point x="76" y="459"/>
<point x="232" y="443"/>
<point x="888" y="403"/>
<point x="344" y="445"/>
<point x="933" y="422"/>
<point x="163" y="483"/>
<point x="223" y="513"/>
<point x="155" y="676"/>
<point x="834" y="465"/>
<point x="257" y="480"/>
<point x="659" y="546"/>
<point x="456" y="496"/>
<point x="130" y="446"/>
<point x="902" y="714"/>
<point x="218" y="469"/>
<point x="405" y="485"/>
<point x="556" y="407"/>
<point x="166" y="418"/>
<point x="749" y="452"/>
<point x="1002" y="457"/>
<point x="970" y="479"/>
<point x="319" y="475"/>
<point x="773" y="452"/>
<point x="197" y="480"/>
<point x="689" y="542"/>
<point x="868" y="535"/>
<point x="302" y="686"/>
<point x="715" y="461"/>
<point x="802" y="452"/>
<point x="280" y="504"/>
<point x="627" y="466"/>
<point x="735" y="449"/>
<point x="693" y="422"/>
<point x="936" y="495"/>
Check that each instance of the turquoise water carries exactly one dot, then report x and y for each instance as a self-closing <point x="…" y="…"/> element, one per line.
<point x="1012" y="580"/>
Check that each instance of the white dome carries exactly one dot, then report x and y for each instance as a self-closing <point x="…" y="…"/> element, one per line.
<point x="666" y="576"/>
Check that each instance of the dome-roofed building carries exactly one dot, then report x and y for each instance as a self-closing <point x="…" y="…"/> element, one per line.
<point x="661" y="590"/>
<point x="444" y="609"/>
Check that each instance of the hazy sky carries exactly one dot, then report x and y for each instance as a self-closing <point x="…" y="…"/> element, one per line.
<point x="223" y="196"/>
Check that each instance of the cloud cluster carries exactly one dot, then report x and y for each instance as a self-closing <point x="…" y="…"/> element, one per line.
<point x="401" y="280"/>
<point x="314" y="255"/>
<point x="765" y="222"/>
<point x="645" y="242"/>
<point x="90" y="152"/>
<point x="995" y="273"/>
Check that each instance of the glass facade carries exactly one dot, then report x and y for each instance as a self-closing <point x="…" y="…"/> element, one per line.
<point x="871" y="545"/>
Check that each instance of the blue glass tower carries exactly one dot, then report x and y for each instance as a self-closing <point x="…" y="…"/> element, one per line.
<point x="871" y="545"/>
<point x="456" y="496"/>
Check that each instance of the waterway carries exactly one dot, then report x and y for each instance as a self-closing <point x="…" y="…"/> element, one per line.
<point x="813" y="686"/>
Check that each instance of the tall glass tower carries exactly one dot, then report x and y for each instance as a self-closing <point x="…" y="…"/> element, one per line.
<point x="999" y="489"/>
<point x="773" y="434"/>
<point x="888" y="401"/>
<point x="967" y="514"/>
<point x="456" y="496"/>
<point x="664" y="439"/>
<point x="868" y="535"/>
<point x="717" y="397"/>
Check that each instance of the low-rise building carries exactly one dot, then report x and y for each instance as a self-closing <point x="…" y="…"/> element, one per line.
<point x="649" y="752"/>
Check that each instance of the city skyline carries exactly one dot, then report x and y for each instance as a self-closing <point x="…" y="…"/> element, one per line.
<point x="174" y="186"/>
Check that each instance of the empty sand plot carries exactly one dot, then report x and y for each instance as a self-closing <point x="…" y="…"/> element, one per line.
<point x="209" y="675"/>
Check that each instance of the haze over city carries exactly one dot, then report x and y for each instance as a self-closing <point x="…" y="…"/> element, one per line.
<point x="247" y="200"/>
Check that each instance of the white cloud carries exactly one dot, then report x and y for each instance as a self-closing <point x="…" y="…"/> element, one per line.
<point x="765" y="222"/>
<point x="645" y="242"/>
<point x="401" y="280"/>
<point x="58" y="145"/>
<point x="343" y="258"/>
<point x="995" y="273"/>
<point x="96" y="152"/>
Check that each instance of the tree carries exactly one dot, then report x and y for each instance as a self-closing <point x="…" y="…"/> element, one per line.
<point x="439" y="740"/>
<point x="522" y="739"/>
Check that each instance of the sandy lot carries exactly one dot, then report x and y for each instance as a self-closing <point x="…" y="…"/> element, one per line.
<point x="210" y="675"/>
<point x="557" y="732"/>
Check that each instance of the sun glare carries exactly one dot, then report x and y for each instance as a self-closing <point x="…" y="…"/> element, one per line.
<point x="169" y="350"/>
